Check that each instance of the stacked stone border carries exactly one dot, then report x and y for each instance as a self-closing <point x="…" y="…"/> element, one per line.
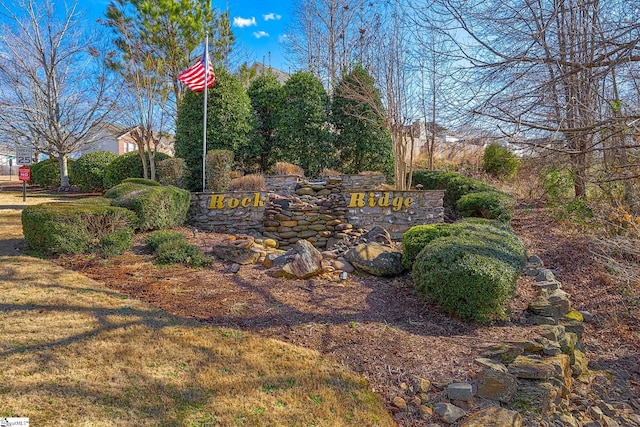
<point x="542" y="382"/>
<point x="324" y="212"/>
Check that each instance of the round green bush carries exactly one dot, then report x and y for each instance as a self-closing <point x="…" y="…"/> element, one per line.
<point x="156" y="238"/>
<point x="417" y="237"/>
<point x="89" y="170"/>
<point x="498" y="161"/>
<point x="178" y="251"/>
<point x="172" y="172"/>
<point x="76" y="228"/>
<point x="487" y="204"/>
<point x="46" y="173"/>
<point x="156" y="207"/>
<point x="127" y="166"/>
<point x="473" y="273"/>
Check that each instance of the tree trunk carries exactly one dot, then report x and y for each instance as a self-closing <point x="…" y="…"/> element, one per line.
<point x="64" y="173"/>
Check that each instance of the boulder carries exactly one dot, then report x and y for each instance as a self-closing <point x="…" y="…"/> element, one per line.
<point x="555" y="305"/>
<point x="378" y="235"/>
<point x="237" y="254"/>
<point x="493" y="416"/>
<point x="531" y="367"/>
<point x="496" y="385"/>
<point x="301" y="261"/>
<point x="376" y="259"/>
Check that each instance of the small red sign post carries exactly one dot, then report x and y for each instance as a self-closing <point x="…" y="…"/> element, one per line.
<point x="24" y="175"/>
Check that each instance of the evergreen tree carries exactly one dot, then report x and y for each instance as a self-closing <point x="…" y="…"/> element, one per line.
<point x="304" y="133"/>
<point x="267" y="100"/>
<point x="228" y="123"/>
<point x="363" y="142"/>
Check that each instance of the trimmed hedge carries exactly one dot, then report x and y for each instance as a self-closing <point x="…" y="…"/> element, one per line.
<point x="417" y="237"/>
<point x="142" y="181"/>
<point x="487" y="204"/>
<point x="156" y="207"/>
<point x="46" y="173"/>
<point x="472" y="273"/>
<point x="454" y="185"/>
<point x="89" y="170"/>
<point x="127" y="166"/>
<point x="77" y="228"/>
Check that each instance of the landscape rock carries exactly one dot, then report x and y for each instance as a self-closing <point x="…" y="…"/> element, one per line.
<point x="496" y="385"/>
<point x="448" y="413"/>
<point x="555" y="305"/>
<point x="460" y="391"/>
<point x="376" y="259"/>
<point x="531" y="367"/>
<point x="493" y="416"/>
<point x="239" y="254"/>
<point x="302" y="261"/>
<point x="376" y="235"/>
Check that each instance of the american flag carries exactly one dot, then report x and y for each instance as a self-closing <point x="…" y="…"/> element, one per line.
<point x="193" y="76"/>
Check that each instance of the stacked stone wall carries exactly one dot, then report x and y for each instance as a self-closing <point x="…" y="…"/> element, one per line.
<point x="324" y="212"/>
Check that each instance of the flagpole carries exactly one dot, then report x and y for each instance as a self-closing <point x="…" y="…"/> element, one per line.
<point x="204" y="119"/>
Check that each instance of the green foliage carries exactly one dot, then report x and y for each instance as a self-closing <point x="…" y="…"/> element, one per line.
<point x="179" y="251"/>
<point x="575" y="210"/>
<point x="417" y="237"/>
<point x="154" y="239"/>
<point x="455" y="185"/>
<point x="363" y="142"/>
<point x="142" y="181"/>
<point x="499" y="162"/>
<point x="487" y="204"/>
<point x="472" y="273"/>
<point x="267" y="101"/>
<point x="88" y="171"/>
<point x="127" y="166"/>
<point x="155" y="207"/>
<point x="46" y="173"/>
<point x="172" y="172"/>
<point x="219" y="163"/>
<point x="304" y="133"/>
<point x="228" y="123"/>
<point x="76" y="228"/>
<point x="557" y="184"/>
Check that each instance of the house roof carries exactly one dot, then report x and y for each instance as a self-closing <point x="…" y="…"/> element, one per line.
<point x="264" y="69"/>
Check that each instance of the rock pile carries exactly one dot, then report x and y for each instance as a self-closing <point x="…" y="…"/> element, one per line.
<point x="316" y="213"/>
<point x="541" y="382"/>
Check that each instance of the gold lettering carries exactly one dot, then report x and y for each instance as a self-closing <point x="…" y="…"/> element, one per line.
<point x="233" y="203"/>
<point x="408" y="202"/>
<point x="217" y="201"/>
<point x="246" y="202"/>
<point x="383" y="202"/>
<point x="396" y="203"/>
<point x="258" y="201"/>
<point x="357" y="200"/>
<point x="372" y="199"/>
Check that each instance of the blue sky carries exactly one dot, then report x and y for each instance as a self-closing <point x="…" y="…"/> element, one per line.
<point x="259" y="26"/>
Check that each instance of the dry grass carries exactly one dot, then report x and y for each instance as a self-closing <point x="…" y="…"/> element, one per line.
<point x="75" y="353"/>
<point x="252" y="182"/>
<point x="330" y="172"/>
<point x="287" y="169"/>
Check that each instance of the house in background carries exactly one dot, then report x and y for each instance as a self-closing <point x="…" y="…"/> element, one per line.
<point x="119" y="139"/>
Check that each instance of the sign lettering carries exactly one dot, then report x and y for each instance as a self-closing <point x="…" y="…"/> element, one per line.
<point x="221" y="201"/>
<point x="360" y="200"/>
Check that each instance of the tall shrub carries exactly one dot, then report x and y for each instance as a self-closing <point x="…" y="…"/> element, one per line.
<point x="89" y="170"/>
<point x="500" y="162"/>
<point x="127" y="166"/>
<point x="228" y="123"/>
<point x="219" y="165"/>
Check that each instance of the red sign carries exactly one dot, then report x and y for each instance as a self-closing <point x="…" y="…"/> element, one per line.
<point x="24" y="173"/>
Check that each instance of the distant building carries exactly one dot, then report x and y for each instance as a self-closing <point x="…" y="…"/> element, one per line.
<point x="119" y="139"/>
<point x="262" y="69"/>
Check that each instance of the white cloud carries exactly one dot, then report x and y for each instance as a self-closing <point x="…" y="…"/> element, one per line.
<point x="243" y="22"/>
<point x="260" y="34"/>
<point x="283" y="38"/>
<point x="272" y="17"/>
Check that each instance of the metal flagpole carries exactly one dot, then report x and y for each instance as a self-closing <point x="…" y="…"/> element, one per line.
<point x="204" y="119"/>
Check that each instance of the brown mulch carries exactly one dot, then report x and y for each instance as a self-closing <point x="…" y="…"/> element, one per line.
<point x="378" y="327"/>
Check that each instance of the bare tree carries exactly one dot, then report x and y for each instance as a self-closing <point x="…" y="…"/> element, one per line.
<point x="55" y="90"/>
<point x="544" y="67"/>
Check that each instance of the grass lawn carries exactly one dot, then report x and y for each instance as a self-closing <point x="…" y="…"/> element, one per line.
<point x="75" y="353"/>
